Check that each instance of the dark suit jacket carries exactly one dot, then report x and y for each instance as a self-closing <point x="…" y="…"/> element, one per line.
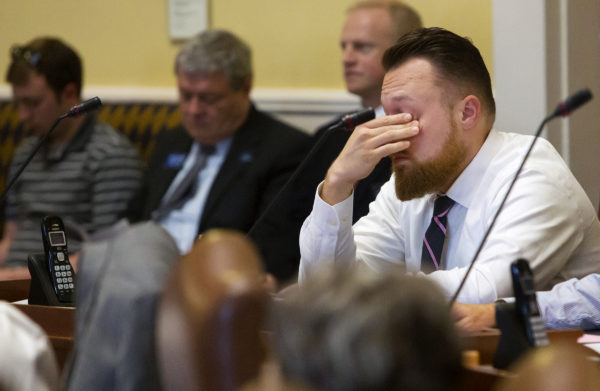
<point x="263" y="154"/>
<point x="328" y="150"/>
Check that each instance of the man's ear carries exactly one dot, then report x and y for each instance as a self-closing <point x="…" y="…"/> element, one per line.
<point x="247" y="86"/>
<point x="470" y="111"/>
<point x="70" y="94"/>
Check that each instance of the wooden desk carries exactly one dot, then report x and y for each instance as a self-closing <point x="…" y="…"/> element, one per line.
<point x="483" y="377"/>
<point x="59" y="325"/>
<point x="14" y="290"/>
<point x="486" y="341"/>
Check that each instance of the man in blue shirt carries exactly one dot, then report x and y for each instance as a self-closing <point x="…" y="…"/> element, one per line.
<point x="571" y="304"/>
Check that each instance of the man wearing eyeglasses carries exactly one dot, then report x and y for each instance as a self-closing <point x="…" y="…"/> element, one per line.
<point x="228" y="160"/>
<point x="85" y="173"/>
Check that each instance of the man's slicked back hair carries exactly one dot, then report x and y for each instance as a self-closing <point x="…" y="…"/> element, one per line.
<point x="455" y="59"/>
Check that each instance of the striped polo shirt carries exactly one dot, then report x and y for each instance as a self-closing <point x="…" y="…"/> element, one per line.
<point x="88" y="184"/>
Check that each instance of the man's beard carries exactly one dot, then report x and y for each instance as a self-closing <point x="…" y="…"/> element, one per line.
<point x="427" y="177"/>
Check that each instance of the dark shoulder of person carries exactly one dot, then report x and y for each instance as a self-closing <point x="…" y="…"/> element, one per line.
<point x="330" y="143"/>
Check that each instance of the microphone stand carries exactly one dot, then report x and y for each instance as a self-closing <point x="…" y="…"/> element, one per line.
<point x="348" y="123"/>
<point x="512" y="183"/>
<point x="37" y="147"/>
<point x="290" y="180"/>
<point x="572" y="103"/>
<point x="79" y="109"/>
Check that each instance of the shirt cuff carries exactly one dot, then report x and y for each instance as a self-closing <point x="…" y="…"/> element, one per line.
<point x="337" y="214"/>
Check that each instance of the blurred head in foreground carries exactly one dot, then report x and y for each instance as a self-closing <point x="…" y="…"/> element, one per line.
<point x="349" y="330"/>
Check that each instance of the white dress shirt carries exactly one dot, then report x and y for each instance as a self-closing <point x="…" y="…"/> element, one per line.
<point x="548" y="220"/>
<point x="183" y="223"/>
<point x="573" y="304"/>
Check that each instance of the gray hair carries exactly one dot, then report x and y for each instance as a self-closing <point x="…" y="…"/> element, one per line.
<point x="216" y="51"/>
<point x="348" y="330"/>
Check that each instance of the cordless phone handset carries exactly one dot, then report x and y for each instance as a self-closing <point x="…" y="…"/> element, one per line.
<point x="57" y="256"/>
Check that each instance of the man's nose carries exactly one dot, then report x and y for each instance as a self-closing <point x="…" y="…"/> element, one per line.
<point x="196" y="106"/>
<point x="23" y="112"/>
<point x="348" y="55"/>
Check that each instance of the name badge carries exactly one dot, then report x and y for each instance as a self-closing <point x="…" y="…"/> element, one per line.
<point x="246" y="157"/>
<point x="174" y="160"/>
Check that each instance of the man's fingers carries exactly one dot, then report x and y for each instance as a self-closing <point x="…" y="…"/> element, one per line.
<point x="375" y="138"/>
<point x="394" y="133"/>
<point x="395" y="119"/>
<point x="392" y="148"/>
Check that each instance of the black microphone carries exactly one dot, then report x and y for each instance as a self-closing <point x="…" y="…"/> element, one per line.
<point x="572" y="103"/>
<point x="84" y="107"/>
<point x="347" y="122"/>
<point x="563" y="109"/>
<point x="352" y="120"/>
<point x="77" y="110"/>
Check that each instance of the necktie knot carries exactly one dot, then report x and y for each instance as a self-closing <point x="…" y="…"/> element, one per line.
<point x="442" y="205"/>
<point x="188" y="185"/>
<point x="207" y="150"/>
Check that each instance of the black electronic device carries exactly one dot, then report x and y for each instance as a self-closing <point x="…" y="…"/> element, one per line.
<point x="60" y="270"/>
<point x="526" y="303"/>
<point x="521" y="326"/>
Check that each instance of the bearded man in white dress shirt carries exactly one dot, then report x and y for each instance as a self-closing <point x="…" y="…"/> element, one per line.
<point x="438" y="132"/>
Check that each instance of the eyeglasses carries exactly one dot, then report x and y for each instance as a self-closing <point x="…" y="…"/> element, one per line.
<point x="30" y="56"/>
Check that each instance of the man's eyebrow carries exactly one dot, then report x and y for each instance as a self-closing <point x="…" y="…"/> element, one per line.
<point x="397" y="97"/>
<point x="357" y="42"/>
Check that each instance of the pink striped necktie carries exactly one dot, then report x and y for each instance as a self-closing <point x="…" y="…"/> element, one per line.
<point x="433" y="243"/>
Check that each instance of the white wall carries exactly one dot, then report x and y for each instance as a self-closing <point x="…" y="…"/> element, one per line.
<point x="519" y="64"/>
<point x="545" y="50"/>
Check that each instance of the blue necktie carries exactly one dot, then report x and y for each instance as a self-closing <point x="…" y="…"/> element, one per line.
<point x="187" y="187"/>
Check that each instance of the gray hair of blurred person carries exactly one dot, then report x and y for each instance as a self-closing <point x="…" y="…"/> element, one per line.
<point x="216" y="51"/>
<point x="347" y="330"/>
<point x="403" y="17"/>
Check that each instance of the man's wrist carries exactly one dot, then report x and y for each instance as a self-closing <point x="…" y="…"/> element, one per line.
<point x="335" y="190"/>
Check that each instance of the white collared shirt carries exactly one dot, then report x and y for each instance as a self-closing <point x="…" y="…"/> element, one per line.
<point x="183" y="224"/>
<point x="547" y="220"/>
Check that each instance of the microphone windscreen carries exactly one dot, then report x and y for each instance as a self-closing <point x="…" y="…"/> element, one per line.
<point x="573" y="102"/>
<point x="349" y="121"/>
<point x="353" y="120"/>
<point x="84" y="107"/>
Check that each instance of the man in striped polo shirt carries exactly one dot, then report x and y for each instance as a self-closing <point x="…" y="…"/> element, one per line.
<point x="85" y="173"/>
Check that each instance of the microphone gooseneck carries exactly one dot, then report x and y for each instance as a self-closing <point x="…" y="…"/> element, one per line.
<point x="563" y="109"/>
<point x="77" y="110"/>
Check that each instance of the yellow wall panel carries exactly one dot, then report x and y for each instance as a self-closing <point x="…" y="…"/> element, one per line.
<point x="295" y="42"/>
